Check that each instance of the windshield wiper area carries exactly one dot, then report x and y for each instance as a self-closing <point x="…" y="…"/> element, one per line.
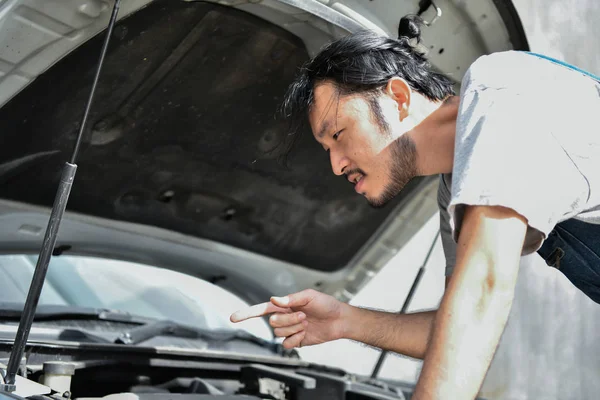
<point x="148" y="328"/>
<point x="14" y="311"/>
<point x="171" y="328"/>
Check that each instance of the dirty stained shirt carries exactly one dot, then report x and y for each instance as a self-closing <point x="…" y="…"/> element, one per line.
<point x="527" y="138"/>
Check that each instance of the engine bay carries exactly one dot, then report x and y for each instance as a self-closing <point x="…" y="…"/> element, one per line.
<point x="93" y="371"/>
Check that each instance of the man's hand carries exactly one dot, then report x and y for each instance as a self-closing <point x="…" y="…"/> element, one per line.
<point x="476" y="305"/>
<point x="305" y="318"/>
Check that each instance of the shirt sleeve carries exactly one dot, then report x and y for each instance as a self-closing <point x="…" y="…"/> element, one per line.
<point x="448" y="244"/>
<point x="506" y="155"/>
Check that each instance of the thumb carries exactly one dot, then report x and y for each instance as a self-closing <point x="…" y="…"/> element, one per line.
<point x="298" y="299"/>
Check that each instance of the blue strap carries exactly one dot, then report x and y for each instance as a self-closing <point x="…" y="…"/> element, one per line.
<point x="597" y="78"/>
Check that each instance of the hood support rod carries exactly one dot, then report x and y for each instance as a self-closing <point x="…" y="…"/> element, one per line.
<point x="407" y="301"/>
<point x="58" y="208"/>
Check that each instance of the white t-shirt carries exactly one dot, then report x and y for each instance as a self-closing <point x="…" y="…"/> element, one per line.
<point x="527" y="138"/>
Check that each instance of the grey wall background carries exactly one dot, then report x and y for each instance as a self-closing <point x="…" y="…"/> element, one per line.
<point x="565" y="29"/>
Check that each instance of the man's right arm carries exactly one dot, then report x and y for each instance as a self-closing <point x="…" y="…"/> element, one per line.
<point x="307" y="318"/>
<point x="406" y="334"/>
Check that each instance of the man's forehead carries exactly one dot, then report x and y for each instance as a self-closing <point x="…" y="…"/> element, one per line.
<point x="322" y="113"/>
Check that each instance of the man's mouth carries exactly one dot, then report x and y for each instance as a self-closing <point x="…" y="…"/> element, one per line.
<point x="359" y="184"/>
<point x="356" y="179"/>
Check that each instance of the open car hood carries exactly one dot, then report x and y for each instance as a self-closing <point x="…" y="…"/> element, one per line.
<point x="183" y="164"/>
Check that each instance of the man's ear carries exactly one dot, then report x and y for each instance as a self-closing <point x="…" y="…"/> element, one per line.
<point x="399" y="90"/>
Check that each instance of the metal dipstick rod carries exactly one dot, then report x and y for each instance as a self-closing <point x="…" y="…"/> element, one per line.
<point x="58" y="208"/>
<point x="409" y="297"/>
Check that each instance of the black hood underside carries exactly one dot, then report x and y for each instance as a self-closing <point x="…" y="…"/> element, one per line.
<point x="183" y="135"/>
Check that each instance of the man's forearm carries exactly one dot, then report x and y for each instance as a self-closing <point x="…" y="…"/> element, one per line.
<point x="463" y="342"/>
<point x="476" y="305"/>
<point x="406" y="334"/>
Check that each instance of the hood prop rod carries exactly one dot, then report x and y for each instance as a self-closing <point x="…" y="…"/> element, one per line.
<point x="58" y="208"/>
<point x="407" y="301"/>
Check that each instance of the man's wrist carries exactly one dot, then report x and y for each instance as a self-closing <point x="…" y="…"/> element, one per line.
<point x="348" y="322"/>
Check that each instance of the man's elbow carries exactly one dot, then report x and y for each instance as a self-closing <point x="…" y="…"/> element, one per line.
<point x="496" y="288"/>
<point x="488" y="257"/>
<point x="487" y="279"/>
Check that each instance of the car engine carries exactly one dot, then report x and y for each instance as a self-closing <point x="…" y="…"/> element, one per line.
<point x="94" y="371"/>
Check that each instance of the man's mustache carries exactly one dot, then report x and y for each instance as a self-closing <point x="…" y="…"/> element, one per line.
<point x="354" y="171"/>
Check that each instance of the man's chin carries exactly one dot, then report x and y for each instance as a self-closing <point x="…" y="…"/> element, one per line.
<point x="377" y="202"/>
<point x="384" y="198"/>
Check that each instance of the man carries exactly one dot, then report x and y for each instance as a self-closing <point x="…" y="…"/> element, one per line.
<point x="518" y="153"/>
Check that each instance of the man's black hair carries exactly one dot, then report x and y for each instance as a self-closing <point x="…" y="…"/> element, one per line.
<point x="364" y="62"/>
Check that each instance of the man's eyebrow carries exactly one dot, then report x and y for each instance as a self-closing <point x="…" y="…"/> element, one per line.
<point x="323" y="130"/>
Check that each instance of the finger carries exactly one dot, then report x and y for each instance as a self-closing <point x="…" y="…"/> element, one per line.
<point x="290" y="330"/>
<point x="294" y="300"/>
<point x="257" y="310"/>
<point x="294" y="340"/>
<point x="280" y="320"/>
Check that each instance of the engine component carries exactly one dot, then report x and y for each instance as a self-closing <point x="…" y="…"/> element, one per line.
<point x="57" y="375"/>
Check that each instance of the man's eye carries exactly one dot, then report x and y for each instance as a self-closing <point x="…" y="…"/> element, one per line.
<point x="335" y="135"/>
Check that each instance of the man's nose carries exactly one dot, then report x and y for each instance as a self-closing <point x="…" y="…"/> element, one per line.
<point x="339" y="162"/>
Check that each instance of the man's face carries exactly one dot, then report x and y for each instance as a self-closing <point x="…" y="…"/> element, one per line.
<point x="362" y="149"/>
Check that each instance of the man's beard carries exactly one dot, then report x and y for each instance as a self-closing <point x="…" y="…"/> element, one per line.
<point x="403" y="167"/>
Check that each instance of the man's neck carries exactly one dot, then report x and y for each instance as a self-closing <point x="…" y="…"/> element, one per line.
<point x="434" y="138"/>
